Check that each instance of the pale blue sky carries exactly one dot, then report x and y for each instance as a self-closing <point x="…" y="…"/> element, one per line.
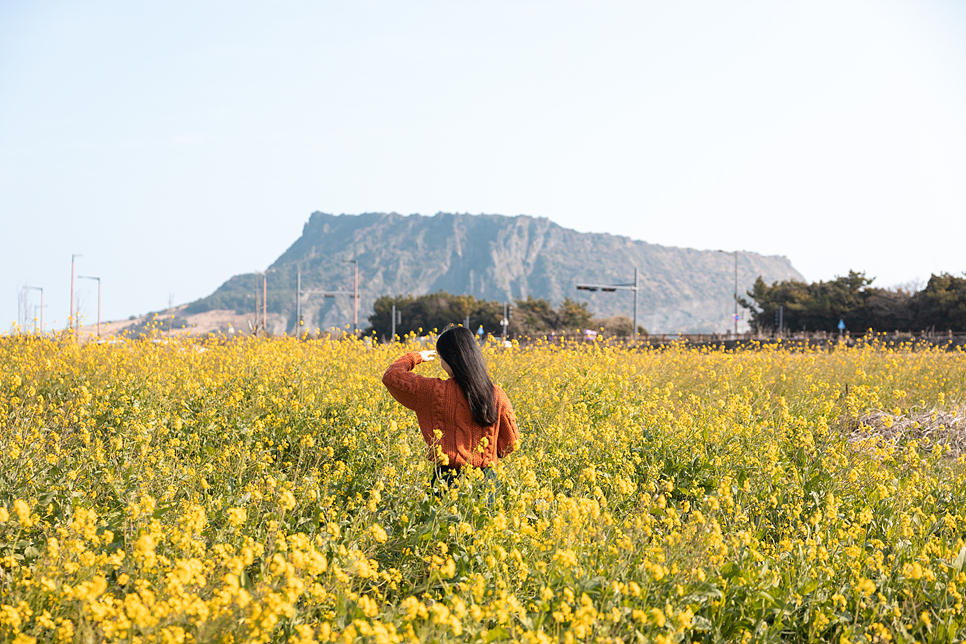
<point x="177" y="143"/>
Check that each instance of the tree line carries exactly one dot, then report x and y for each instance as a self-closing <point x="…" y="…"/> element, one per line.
<point x="530" y="316"/>
<point x="818" y="306"/>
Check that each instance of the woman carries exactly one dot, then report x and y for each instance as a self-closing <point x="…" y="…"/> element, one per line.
<point x="465" y="420"/>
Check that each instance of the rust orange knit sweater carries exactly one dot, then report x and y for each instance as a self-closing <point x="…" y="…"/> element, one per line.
<point x="441" y="404"/>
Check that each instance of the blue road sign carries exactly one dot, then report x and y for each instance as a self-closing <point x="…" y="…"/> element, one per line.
<point x="841" y="325"/>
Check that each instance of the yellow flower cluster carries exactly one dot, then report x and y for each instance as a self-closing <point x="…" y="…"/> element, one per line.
<point x="270" y="490"/>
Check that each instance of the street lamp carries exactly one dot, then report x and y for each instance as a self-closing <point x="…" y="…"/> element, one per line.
<point x="610" y="288"/>
<point x="396" y="319"/>
<point x="37" y="288"/>
<point x="255" y="328"/>
<point x="298" y="301"/>
<point x="88" y="277"/>
<point x="736" y="286"/>
<point x="71" y="316"/>
<point x="299" y="292"/>
<point x="302" y="292"/>
<point x="264" y="275"/>
<point x="265" y="302"/>
<point x="355" y="297"/>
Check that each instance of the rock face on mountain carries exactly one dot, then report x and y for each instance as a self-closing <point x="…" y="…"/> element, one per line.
<point x="497" y="258"/>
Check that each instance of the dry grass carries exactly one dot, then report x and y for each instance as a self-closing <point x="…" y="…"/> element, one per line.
<point x="944" y="427"/>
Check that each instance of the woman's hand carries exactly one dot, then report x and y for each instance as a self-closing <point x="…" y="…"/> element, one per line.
<point x="427" y="355"/>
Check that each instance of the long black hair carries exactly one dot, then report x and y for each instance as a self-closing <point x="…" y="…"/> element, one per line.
<point x="458" y="348"/>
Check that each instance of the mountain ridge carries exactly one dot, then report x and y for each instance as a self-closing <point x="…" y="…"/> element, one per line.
<point x="495" y="257"/>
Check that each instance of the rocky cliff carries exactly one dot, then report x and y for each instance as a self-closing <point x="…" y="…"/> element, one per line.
<point x="499" y="258"/>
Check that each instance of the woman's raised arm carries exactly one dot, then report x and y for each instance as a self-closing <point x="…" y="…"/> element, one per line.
<point x="404" y="385"/>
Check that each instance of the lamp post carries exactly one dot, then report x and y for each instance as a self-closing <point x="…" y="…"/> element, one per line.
<point x="70" y="317"/>
<point x="299" y="292"/>
<point x="610" y="288"/>
<point x="355" y="297"/>
<point x="396" y="319"/>
<point x="298" y="302"/>
<point x="354" y="293"/>
<point x="323" y="293"/>
<point x="88" y="277"/>
<point x="736" y="286"/>
<point x="37" y="288"/>
<point x="264" y="275"/>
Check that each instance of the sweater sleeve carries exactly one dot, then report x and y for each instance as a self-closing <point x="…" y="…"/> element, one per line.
<point x="508" y="438"/>
<point x="402" y="383"/>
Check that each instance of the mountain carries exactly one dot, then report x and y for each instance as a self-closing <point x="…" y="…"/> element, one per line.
<point x="498" y="258"/>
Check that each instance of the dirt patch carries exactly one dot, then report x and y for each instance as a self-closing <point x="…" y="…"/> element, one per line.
<point x="178" y="322"/>
<point x="945" y="427"/>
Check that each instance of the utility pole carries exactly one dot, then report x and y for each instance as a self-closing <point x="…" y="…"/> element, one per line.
<point x="736" y="287"/>
<point x="610" y="288"/>
<point x="636" y="288"/>
<point x="355" y="298"/>
<point x="264" y="301"/>
<point x="87" y="277"/>
<point x="37" y="288"/>
<point x="354" y="293"/>
<point x="396" y="319"/>
<point x="326" y="293"/>
<point x="71" y="318"/>
<point x="505" y="322"/>
<point x="736" y="293"/>
<point x="255" y="329"/>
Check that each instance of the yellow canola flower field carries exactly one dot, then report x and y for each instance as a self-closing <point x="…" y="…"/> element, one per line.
<point x="270" y="490"/>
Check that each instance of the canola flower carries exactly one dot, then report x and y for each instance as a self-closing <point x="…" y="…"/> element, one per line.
<point x="270" y="490"/>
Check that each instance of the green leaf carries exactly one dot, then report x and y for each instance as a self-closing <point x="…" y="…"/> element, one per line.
<point x="495" y="634"/>
<point x="730" y="570"/>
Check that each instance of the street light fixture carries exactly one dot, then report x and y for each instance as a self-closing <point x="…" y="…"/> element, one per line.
<point x="37" y="288"/>
<point x="355" y="297"/>
<point x="264" y="275"/>
<point x="88" y="277"/>
<point x="354" y="293"/>
<point x="610" y="288"/>
<point x="396" y="319"/>
<point x="298" y="301"/>
<point x="736" y="286"/>
<point x="71" y="317"/>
